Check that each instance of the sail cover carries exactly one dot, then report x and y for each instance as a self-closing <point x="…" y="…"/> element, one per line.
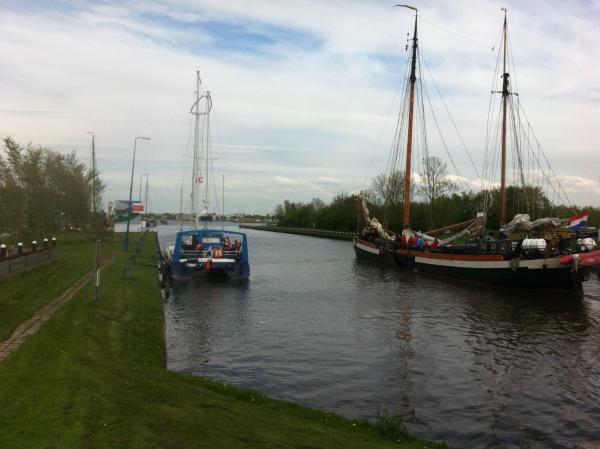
<point x="522" y="222"/>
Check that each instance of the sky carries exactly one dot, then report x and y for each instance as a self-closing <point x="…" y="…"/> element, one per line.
<point x="305" y="92"/>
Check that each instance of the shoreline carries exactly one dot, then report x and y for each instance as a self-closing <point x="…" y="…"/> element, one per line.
<point x="310" y="232"/>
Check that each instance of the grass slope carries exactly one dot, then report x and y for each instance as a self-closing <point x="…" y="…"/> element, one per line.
<point x="93" y="377"/>
<point x="23" y="295"/>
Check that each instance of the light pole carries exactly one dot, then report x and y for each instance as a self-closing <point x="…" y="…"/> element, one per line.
<point x="126" y="243"/>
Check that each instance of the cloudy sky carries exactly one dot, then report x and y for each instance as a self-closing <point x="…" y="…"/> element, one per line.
<point x="305" y="92"/>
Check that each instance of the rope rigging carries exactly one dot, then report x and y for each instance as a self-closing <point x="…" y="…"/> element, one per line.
<point x="531" y="173"/>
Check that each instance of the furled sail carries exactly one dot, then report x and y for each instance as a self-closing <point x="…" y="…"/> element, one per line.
<point x="522" y="222"/>
<point x="373" y="223"/>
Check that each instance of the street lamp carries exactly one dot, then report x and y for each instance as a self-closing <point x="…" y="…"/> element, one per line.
<point x="126" y="243"/>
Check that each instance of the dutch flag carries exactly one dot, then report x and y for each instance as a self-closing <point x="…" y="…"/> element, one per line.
<point x="579" y="220"/>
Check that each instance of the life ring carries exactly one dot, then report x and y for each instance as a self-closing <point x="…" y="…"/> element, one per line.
<point x="217" y="252"/>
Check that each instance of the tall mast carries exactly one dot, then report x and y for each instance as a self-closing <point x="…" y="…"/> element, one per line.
<point x="207" y="148"/>
<point x="196" y="112"/>
<point x="413" y="78"/>
<point x="505" y="76"/>
<point x="196" y="178"/>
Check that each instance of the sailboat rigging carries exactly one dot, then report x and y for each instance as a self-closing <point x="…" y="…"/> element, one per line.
<point x="533" y="254"/>
<point x="201" y="109"/>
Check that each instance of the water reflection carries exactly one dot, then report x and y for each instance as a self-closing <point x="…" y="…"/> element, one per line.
<point x="476" y="366"/>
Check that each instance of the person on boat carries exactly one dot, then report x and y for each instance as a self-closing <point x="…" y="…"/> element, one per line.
<point x="402" y="240"/>
<point x="227" y="244"/>
<point x="412" y="241"/>
<point x="434" y="244"/>
<point x="198" y="246"/>
<point x="236" y="246"/>
<point x="420" y="243"/>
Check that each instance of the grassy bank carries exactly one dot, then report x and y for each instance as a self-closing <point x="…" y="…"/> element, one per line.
<point x="93" y="377"/>
<point x="24" y="294"/>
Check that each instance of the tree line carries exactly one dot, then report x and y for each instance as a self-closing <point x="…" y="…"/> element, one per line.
<point x="436" y="202"/>
<point x="44" y="192"/>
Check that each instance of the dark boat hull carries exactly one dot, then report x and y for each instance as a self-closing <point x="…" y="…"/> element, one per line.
<point x="535" y="273"/>
<point x="367" y="251"/>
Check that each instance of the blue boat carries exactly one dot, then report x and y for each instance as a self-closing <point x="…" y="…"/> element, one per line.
<point x="208" y="252"/>
<point x="203" y="251"/>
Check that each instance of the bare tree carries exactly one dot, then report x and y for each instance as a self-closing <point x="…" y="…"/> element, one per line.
<point x="434" y="180"/>
<point x="387" y="189"/>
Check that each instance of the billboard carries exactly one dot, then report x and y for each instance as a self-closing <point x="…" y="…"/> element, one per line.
<point x="119" y="216"/>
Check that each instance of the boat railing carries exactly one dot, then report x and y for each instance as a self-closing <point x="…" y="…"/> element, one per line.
<point x="201" y="254"/>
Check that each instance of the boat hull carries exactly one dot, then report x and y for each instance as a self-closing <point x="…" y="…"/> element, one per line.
<point x="543" y="273"/>
<point x="231" y="270"/>
<point x="369" y="252"/>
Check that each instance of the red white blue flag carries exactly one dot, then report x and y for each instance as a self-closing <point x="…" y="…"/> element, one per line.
<point x="579" y="220"/>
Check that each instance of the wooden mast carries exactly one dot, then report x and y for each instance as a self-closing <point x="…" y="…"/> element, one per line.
<point x="407" y="172"/>
<point x="504" y="101"/>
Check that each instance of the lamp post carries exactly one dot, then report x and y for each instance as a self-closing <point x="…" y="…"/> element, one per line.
<point x="126" y="242"/>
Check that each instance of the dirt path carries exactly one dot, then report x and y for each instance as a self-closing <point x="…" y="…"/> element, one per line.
<point x="32" y="325"/>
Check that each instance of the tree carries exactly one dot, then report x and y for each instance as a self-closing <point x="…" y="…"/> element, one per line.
<point x="434" y="183"/>
<point x="43" y="191"/>
<point x="387" y="188"/>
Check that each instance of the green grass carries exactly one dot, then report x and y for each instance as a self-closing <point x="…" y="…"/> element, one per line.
<point x="23" y="295"/>
<point x="93" y="377"/>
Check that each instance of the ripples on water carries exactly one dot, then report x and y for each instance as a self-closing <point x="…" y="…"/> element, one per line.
<point x="474" y="365"/>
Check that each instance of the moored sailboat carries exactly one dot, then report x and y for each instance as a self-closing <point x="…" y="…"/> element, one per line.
<point x="522" y="253"/>
<point x="205" y="251"/>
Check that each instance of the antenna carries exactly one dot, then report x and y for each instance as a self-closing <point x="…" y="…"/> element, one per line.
<point x="94" y="193"/>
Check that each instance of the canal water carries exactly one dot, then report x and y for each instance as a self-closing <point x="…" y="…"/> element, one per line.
<point x="474" y="365"/>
